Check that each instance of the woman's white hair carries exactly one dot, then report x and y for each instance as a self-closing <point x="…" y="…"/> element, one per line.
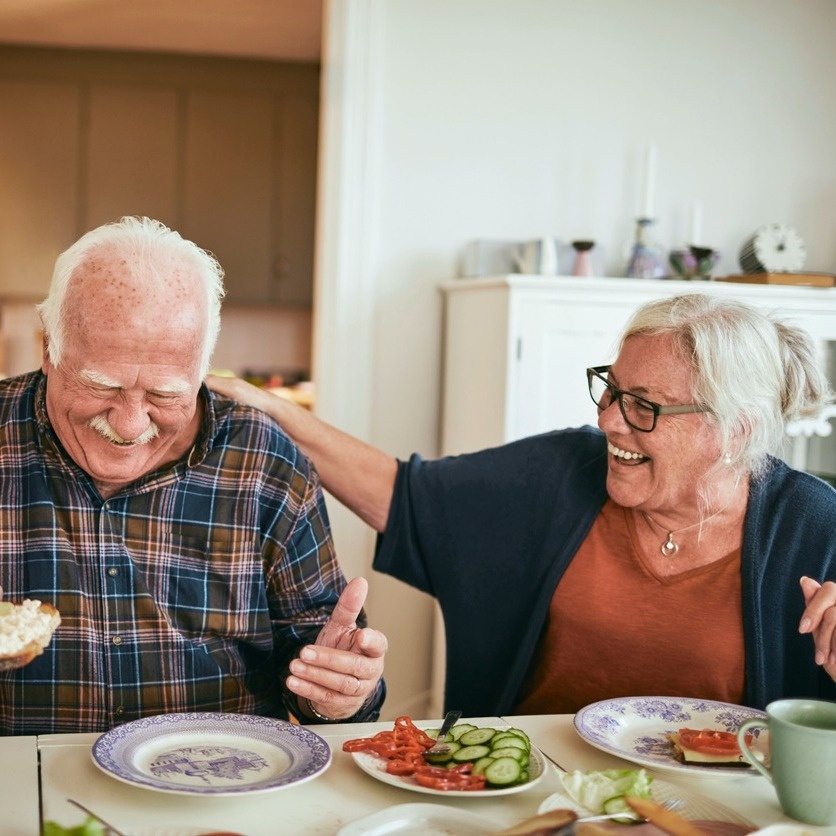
<point x="753" y="371"/>
<point x="154" y="246"/>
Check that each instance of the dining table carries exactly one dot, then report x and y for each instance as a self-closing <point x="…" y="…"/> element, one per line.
<point x="43" y="773"/>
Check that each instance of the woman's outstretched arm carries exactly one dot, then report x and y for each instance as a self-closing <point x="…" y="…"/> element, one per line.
<point x="357" y="474"/>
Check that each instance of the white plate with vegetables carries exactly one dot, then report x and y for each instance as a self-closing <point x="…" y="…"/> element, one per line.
<point x="504" y="755"/>
<point x="596" y="792"/>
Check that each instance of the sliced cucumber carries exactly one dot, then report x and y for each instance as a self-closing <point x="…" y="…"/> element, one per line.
<point x="501" y="755"/>
<point x="511" y="752"/>
<point x="458" y="730"/>
<point x="470" y="753"/>
<point x="616" y="804"/>
<point x="519" y="733"/>
<point x="481" y="765"/>
<point x="510" y="741"/>
<point x="475" y="737"/>
<point x="503" y="772"/>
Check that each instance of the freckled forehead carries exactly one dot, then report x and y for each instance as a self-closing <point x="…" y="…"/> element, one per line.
<point x="116" y="284"/>
<point x="132" y="275"/>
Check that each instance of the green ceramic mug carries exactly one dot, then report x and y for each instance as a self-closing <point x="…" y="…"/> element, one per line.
<point x="802" y="762"/>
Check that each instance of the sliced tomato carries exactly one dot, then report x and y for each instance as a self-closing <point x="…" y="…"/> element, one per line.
<point x="711" y="741"/>
<point x="400" y="767"/>
<point x="403" y="748"/>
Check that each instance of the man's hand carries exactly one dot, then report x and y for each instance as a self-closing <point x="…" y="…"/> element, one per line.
<point x="819" y="618"/>
<point x="341" y="670"/>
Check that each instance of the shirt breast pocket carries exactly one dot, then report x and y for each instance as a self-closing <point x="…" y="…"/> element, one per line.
<point x="210" y="588"/>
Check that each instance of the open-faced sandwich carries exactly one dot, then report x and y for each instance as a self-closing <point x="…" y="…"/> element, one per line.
<point x="25" y="630"/>
<point x="708" y="747"/>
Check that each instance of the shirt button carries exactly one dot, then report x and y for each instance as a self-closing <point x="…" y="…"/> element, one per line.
<point x="113" y="571"/>
<point x="120" y="711"/>
<point x="117" y="640"/>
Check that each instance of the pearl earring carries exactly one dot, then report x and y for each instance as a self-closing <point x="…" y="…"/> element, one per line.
<point x="727" y="458"/>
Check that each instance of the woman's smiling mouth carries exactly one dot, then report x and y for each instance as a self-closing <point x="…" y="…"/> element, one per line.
<point x="625" y="455"/>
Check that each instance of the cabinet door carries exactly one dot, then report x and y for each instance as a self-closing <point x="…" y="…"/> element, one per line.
<point x="39" y="127"/>
<point x="131" y="155"/>
<point x="228" y="177"/>
<point x="295" y="199"/>
<point x="557" y="342"/>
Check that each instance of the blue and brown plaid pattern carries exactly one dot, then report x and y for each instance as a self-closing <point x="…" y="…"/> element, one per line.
<point x="190" y="590"/>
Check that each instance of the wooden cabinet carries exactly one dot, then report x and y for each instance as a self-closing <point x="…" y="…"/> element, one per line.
<point x="130" y="164"/>
<point x="227" y="187"/>
<point x="222" y="150"/>
<point x="294" y="198"/>
<point x="516" y="347"/>
<point x="39" y="181"/>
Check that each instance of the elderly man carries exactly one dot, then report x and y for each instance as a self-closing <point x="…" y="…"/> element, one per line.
<point x="183" y="538"/>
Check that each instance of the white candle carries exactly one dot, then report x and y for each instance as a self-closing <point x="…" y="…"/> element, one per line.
<point x="696" y="223"/>
<point x="649" y="181"/>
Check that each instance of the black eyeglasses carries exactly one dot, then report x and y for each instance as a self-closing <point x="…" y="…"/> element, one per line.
<point x="638" y="412"/>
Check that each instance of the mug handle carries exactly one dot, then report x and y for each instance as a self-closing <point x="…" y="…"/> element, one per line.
<point x="744" y="747"/>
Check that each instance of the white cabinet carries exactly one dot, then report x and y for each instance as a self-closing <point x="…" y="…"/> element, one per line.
<point x="517" y="347"/>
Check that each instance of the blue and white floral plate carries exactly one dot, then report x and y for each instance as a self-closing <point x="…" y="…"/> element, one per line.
<point x="211" y="753"/>
<point x="637" y="729"/>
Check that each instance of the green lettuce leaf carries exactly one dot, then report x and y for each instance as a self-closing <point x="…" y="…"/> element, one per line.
<point x="603" y="791"/>
<point x="91" y="827"/>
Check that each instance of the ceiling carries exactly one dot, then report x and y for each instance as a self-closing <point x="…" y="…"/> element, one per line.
<point x="288" y="30"/>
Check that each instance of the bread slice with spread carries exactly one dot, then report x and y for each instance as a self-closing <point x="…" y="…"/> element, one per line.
<point x="25" y="630"/>
<point x="708" y="747"/>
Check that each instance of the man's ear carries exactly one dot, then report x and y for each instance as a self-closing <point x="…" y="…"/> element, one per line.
<point x="46" y="364"/>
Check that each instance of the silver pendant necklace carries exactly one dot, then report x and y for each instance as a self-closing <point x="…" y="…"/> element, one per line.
<point x="669" y="548"/>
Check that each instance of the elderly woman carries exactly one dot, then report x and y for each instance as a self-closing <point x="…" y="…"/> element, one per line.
<point x="658" y="554"/>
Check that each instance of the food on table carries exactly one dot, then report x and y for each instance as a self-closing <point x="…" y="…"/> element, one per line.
<point x="91" y="827"/>
<point x="477" y="758"/>
<point x="708" y="747"/>
<point x="605" y="791"/>
<point x="25" y="630"/>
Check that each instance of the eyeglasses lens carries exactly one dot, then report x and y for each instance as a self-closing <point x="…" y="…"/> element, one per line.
<point x="637" y="412"/>
<point x="601" y="392"/>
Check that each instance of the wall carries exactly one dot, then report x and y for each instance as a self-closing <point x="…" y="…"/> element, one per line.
<point x="264" y="340"/>
<point x="449" y="120"/>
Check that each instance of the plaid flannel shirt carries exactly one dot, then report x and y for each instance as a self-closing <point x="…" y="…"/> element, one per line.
<point x="189" y="590"/>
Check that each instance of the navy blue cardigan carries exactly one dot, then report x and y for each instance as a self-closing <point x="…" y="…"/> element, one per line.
<point x="489" y="534"/>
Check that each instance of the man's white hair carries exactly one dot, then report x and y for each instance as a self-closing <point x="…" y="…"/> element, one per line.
<point x="154" y="245"/>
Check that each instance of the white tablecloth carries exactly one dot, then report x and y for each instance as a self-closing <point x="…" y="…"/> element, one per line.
<point x="342" y="794"/>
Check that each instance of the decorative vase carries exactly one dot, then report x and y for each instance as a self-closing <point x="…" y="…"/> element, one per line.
<point x="647" y="260"/>
<point x="583" y="262"/>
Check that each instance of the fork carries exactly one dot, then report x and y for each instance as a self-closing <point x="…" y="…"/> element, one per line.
<point x="110" y="830"/>
<point x="672" y="804"/>
<point x="440" y="746"/>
